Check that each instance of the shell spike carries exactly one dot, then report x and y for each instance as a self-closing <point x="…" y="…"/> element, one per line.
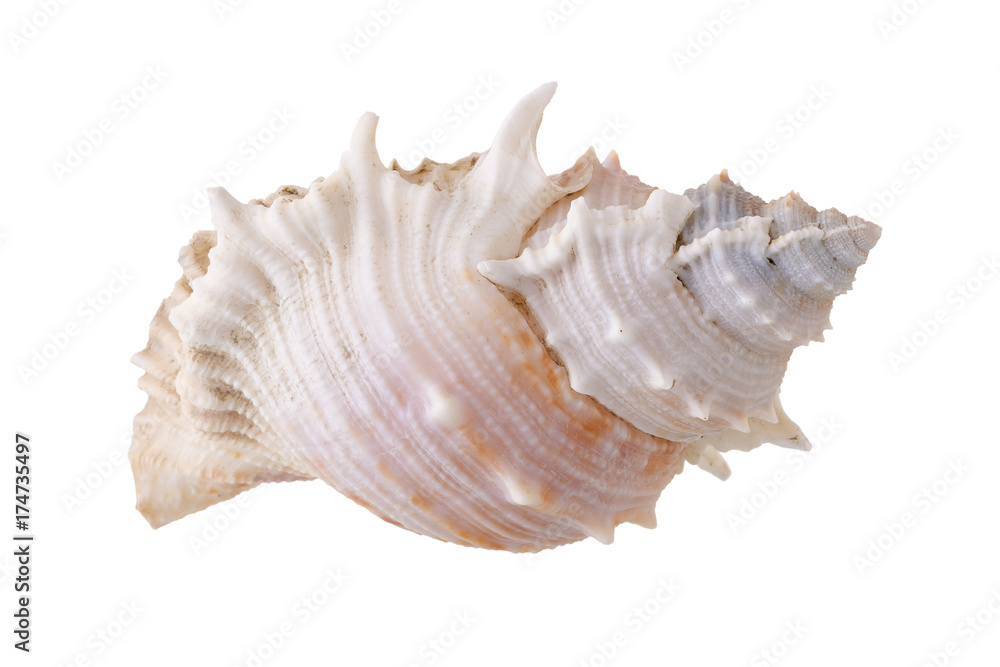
<point x="709" y="459"/>
<point x="799" y="442"/>
<point x="363" y="150"/>
<point x="611" y="161"/>
<point x="520" y="128"/>
<point x="644" y="517"/>
<point x="600" y="528"/>
<point x="511" y="166"/>
<point x="221" y="204"/>
<point x="228" y="214"/>
<point x="514" y="144"/>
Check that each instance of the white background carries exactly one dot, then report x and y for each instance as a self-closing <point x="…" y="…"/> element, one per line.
<point x="815" y="552"/>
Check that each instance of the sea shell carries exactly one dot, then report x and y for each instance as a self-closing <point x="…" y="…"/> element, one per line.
<point x="477" y="351"/>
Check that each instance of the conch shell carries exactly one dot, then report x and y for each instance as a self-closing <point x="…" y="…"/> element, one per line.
<point x="480" y="352"/>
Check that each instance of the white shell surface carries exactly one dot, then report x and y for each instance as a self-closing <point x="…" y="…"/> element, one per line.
<point x="344" y="332"/>
<point x="679" y="317"/>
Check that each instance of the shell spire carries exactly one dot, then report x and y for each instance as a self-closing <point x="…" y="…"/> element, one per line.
<point x="680" y="313"/>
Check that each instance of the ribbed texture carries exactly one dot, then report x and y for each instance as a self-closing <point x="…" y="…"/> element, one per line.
<point x="680" y="313"/>
<point x="346" y="334"/>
